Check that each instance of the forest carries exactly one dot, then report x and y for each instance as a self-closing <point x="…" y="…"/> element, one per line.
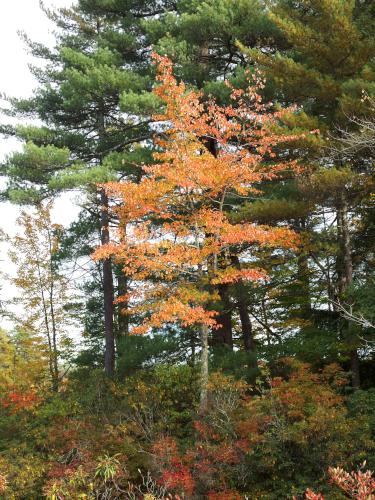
<point x="205" y="327"/>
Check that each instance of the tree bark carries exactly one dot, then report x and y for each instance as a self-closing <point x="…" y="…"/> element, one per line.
<point x="246" y="325"/>
<point x="347" y="250"/>
<point x="223" y="336"/>
<point x="109" y="356"/>
<point x="122" y="319"/>
<point x="55" y="380"/>
<point x="108" y="288"/>
<point x="52" y="351"/>
<point x="348" y="264"/>
<point x="191" y="334"/>
<point x="203" y="403"/>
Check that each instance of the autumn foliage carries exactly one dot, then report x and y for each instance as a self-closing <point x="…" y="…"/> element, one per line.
<point x="261" y="436"/>
<point x="15" y="399"/>
<point x="252" y="442"/>
<point x="174" y="474"/>
<point x="173" y="223"/>
<point x="189" y="296"/>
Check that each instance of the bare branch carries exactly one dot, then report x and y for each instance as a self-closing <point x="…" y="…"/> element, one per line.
<point x="347" y="313"/>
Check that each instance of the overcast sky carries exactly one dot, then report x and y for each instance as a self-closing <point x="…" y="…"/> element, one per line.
<point x="16" y="80"/>
<point x="22" y="15"/>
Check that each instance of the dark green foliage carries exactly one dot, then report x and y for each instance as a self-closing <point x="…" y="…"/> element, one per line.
<point x="240" y="364"/>
<point x="137" y="352"/>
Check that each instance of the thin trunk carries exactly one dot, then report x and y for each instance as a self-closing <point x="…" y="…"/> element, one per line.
<point x="203" y="403"/>
<point x="304" y="288"/>
<point x="327" y="271"/>
<point x="347" y="251"/>
<point x="46" y="323"/>
<point x="204" y="59"/>
<point x="339" y="259"/>
<point x="354" y="366"/>
<point x="192" y="346"/>
<point x="109" y="356"/>
<point x="247" y="327"/>
<point x="108" y="288"/>
<point x="204" y="334"/>
<point x="55" y="381"/>
<point x="222" y="336"/>
<point x="348" y="265"/>
<point x="122" y="317"/>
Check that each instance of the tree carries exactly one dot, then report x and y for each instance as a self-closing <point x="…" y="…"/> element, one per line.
<point x="84" y="134"/>
<point x="173" y="223"/>
<point x="95" y="103"/>
<point x="44" y="291"/>
<point x="23" y="359"/>
<point x="357" y="485"/>
<point x="200" y="37"/>
<point x="325" y="64"/>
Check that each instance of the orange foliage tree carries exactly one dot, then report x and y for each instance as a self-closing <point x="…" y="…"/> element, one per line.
<point x="174" y="227"/>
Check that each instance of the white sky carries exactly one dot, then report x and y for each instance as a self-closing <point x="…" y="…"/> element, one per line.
<point x="16" y="80"/>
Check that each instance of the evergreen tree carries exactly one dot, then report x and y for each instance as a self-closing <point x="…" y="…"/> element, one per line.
<point x="85" y="133"/>
<point x="325" y="65"/>
<point x="94" y="101"/>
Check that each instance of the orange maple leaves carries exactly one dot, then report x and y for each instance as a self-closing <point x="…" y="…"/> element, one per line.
<point x="16" y="400"/>
<point x="173" y="223"/>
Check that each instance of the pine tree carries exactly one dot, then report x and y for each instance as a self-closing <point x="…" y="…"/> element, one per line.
<point x="84" y="137"/>
<point x="95" y="102"/>
<point x="325" y="65"/>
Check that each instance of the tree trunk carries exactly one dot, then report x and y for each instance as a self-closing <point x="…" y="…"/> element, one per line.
<point x="354" y="367"/>
<point x="191" y="334"/>
<point x="223" y="336"/>
<point x="109" y="356"/>
<point x="203" y="403"/>
<point x="52" y="351"/>
<point x="55" y="379"/>
<point x="347" y="250"/>
<point x="348" y="265"/>
<point x="108" y="288"/>
<point x="122" y="319"/>
<point x="246" y="325"/>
